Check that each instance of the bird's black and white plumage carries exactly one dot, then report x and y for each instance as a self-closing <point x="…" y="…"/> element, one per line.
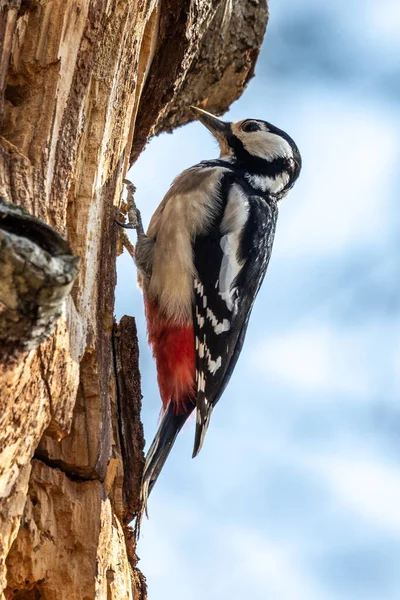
<point x="201" y="265"/>
<point x="230" y="260"/>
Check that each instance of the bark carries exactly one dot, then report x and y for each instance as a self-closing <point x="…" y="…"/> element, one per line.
<point x="83" y="84"/>
<point x="37" y="272"/>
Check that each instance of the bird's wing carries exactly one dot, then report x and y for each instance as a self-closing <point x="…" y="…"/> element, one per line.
<point x="231" y="260"/>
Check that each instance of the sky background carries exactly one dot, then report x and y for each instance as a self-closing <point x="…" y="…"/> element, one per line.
<point x="296" y="492"/>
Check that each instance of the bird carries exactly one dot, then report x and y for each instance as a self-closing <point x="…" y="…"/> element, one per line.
<point x="200" y="266"/>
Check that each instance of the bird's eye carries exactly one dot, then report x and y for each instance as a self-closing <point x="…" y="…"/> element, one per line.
<point x="250" y="126"/>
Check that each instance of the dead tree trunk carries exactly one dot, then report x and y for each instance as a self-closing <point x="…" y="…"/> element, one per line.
<point x="83" y="85"/>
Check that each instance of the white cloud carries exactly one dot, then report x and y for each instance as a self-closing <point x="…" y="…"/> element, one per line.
<point x="316" y="358"/>
<point x="350" y="156"/>
<point x="367" y="486"/>
<point x="162" y="545"/>
<point x="396" y="363"/>
<point x="272" y="568"/>
<point x="236" y="561"/>
<point x="383" y="21"/>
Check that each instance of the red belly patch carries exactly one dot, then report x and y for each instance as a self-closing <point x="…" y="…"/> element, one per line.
<point x="173" y="349"/>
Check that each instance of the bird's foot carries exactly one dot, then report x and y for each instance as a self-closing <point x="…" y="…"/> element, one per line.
<point x="134" y="216"/>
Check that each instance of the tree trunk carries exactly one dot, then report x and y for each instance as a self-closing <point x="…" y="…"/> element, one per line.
<point x="83" y="85"/>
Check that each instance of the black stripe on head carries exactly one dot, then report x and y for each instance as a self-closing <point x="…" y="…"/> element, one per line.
<point x="292" y="144"/>
<point x="248" y="163"/>
<point x="255" y="164"/>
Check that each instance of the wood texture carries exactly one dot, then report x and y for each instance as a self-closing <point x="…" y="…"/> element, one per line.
<point x="129" y="404"/>
<point x="83" y="84"/>
<point x="37" y="271"/>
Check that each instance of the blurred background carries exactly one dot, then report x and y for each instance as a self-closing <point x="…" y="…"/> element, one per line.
<point x="296" y="493"/>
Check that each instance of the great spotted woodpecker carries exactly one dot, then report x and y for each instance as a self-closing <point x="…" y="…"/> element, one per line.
<point x="200" y="266"/>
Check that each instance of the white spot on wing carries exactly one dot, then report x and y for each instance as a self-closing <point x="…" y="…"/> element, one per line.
<point x="201" y="382"/>
<point x="230" y="267"/>
<point x="219" y="327"/>
<point x="213" y="365"/>
<point x="236" y="211"/>
<point x="233" y="222"/>
<point x="199" y="318"/>
<point x="198" y="286"/>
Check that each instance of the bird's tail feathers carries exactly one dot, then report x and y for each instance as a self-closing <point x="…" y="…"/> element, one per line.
<point x="170" y="426"/>
<point x="204" y="410"/>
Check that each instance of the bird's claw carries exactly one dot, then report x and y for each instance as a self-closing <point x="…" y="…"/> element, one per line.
<point x="128" y="225"/>
<point x="134" y="216"/>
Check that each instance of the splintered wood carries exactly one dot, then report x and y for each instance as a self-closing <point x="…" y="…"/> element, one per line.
<point x="83" y="84"/>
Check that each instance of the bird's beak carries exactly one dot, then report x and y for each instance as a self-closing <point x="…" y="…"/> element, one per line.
<point x="218" y="128"/>
<point x="213" y="124"/>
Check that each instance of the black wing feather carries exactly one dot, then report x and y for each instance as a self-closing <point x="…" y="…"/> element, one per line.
<point x="255" y="250"/>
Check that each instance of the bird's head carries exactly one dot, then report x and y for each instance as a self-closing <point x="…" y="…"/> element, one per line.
<point x="268" y="157"/>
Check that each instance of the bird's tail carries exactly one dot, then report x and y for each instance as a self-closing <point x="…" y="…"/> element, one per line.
<point x="204" y="410"/>
<point x="170" y="426"/>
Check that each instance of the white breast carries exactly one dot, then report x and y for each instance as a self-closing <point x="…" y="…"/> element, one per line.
<point x="186" y="210"/>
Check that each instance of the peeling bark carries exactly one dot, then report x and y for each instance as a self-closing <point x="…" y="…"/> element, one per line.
<point x="126" y="353"/>
<point x="83" y="84"/>
<point x="209" y="65"/>
<point x="37" y="271"/>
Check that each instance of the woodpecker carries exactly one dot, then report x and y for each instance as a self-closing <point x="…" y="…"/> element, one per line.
<point x="201" y="264"/>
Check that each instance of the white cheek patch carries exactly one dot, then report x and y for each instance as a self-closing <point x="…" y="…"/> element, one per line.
<point x="274" y="185"/>
<point x="266" y="145"/>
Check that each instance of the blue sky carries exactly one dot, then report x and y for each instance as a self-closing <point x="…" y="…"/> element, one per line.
<point x="296" y="492"/>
